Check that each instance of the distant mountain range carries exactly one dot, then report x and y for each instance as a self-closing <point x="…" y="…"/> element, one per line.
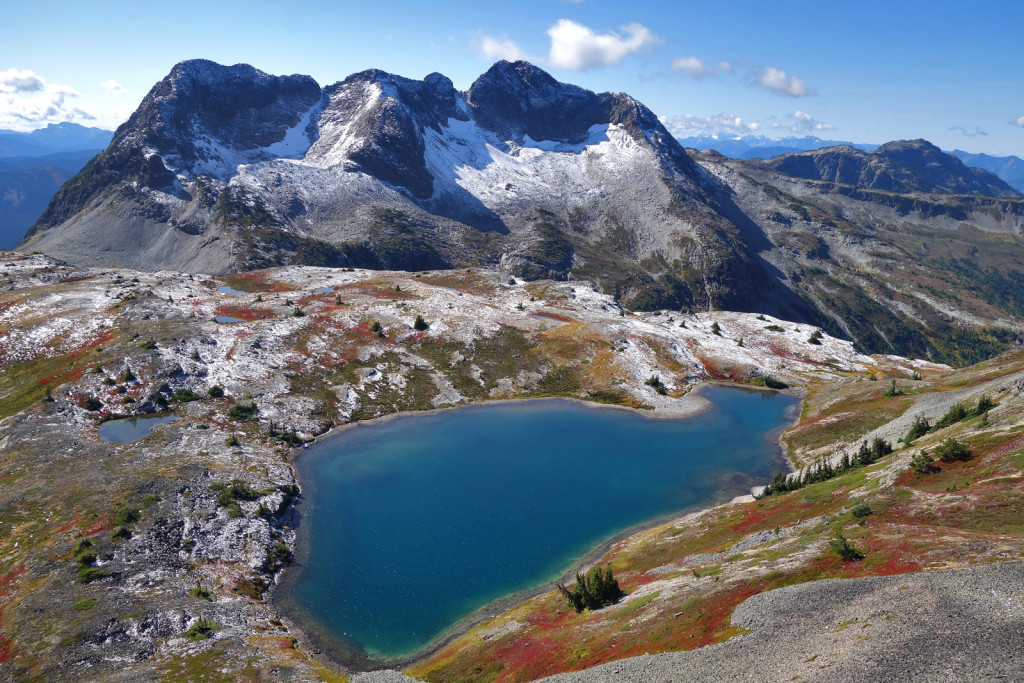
<point x="34" y="165"/>
<point x="224" y="168"/>
<point x="1009" y="168"/>
<point x="55" y="138"/>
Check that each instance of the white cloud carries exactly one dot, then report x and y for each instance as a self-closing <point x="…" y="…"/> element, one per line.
<point x="1018" y="122"/>
<point x="688" y="125"/>
<point x="113" y="87"/>
<point x="28" y="110"/>
<point x="725" y="66"/>
<point x="778" y="82"/>
<point x="13" y="80"/>
<point x="803" y="123"/>
<point x="577" y="47"/>
<point x="498" y="48"/>
<point x="692" y="66"/>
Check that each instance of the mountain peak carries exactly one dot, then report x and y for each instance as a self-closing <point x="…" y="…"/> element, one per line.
<point x="898" y="166"/>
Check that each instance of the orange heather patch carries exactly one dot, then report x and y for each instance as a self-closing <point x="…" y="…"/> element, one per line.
<point x="376" y="290"/>
<point x="100" y="525"/>
<point x="547" y="313"/>
<point x="99" y="339"/>
<point x="463" y="282"/>
<point x="12" y="576"/>
<point x="716" y="371"/>
<point x="751" y="516"/>
<point x="242" y="311"/>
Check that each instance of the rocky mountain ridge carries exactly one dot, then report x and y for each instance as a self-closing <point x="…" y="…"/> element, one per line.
<point x="902" y="166"/>
<point x="225" y="169"/>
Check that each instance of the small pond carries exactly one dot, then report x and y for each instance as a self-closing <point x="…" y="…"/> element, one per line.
<point x="226" y="319"/>
<point x="412" y="524"/>
<point x="131" y="429"/>
<point x="228" y="290"/>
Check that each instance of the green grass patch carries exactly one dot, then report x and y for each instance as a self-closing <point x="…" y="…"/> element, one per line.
<point x="634" y="605"/>
<point x="84" y="605"/>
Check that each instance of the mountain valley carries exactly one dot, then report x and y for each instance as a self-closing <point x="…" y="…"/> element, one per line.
<point x="259" y="261"/>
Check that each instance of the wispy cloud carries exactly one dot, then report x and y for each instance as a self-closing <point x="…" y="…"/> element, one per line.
<point x="1018" y="122"/>
<point x="577" y="47"/>
<point x="14" y="81"/>
<point x="971" y="133"/>
<point x="498" y="48"/>
<point x="692" y="66"/>
<point x="113" y="87"/>
<point x="728" y="124"/>
<point x="778" y="82"/>
<point x="768" y="77"/>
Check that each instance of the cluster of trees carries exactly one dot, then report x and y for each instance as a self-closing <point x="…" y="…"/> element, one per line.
<point x="959" y="413"/>
<point x="949" y="450"/>
<point x="655" y="382"/>
<point x="824" y="470"/>
<point x="595" y="590"/>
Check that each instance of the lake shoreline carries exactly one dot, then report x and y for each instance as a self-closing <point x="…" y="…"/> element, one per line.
<point x="338" y="653"/>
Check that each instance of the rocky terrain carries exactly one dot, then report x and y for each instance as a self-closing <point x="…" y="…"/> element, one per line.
<point x="544" y="179"/>
<point x="158" y="557"/>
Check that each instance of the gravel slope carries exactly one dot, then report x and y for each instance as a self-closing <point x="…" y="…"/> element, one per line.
<point x="953" y="625"/>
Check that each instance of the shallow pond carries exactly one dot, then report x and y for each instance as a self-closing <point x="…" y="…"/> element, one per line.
<point x="131" y="429"/>
<point x="410" y="525"/>
<point x="226" y="319"/>
<point x="228" y="290"/>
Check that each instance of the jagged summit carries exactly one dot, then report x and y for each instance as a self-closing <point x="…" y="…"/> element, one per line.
<point x="227" y="168"/>
<point x="324" y="164"/>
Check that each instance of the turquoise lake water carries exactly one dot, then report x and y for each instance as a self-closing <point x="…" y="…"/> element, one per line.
<point x="410" y="525"/>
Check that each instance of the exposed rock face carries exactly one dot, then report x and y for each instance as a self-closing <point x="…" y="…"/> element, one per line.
<point x="901" y="166"/>
<point x="227" y="168"/>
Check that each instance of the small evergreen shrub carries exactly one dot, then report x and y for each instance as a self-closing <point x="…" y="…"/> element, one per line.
<point x="216" y="391"/>
<point x="595" y="590"/>
<point x="922" y="463"/>
<point x="815" y="338"/>
<point x="186" y="395"/>
<point x="655" y="382"/>
<point x="893" y="391"/>
<point x="420" y="325"/>
<point x="127" y="516"/>
<point x="842" y="547"/>
<point x="861" y="509"/>
<point x="920" y="427"/>
<point x="201" y="630"/>
<point x="955" y="414"/>
<point x="242" y="411"/>
<point x="952" y="450"/>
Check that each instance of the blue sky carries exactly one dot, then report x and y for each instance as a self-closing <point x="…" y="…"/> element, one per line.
<point x="864" y="72"/>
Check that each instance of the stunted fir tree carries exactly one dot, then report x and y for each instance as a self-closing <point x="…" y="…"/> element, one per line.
<point x="597" y="589"/>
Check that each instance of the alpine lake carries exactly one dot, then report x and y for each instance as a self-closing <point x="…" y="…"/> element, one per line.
<point x="411" y="527"/>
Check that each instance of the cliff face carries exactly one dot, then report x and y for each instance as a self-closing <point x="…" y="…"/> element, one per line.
<point x="224" y="169"/>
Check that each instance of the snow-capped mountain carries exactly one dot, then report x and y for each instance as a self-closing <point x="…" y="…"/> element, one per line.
<point x="223" y="168"/>
<point x="228" y="168"/>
